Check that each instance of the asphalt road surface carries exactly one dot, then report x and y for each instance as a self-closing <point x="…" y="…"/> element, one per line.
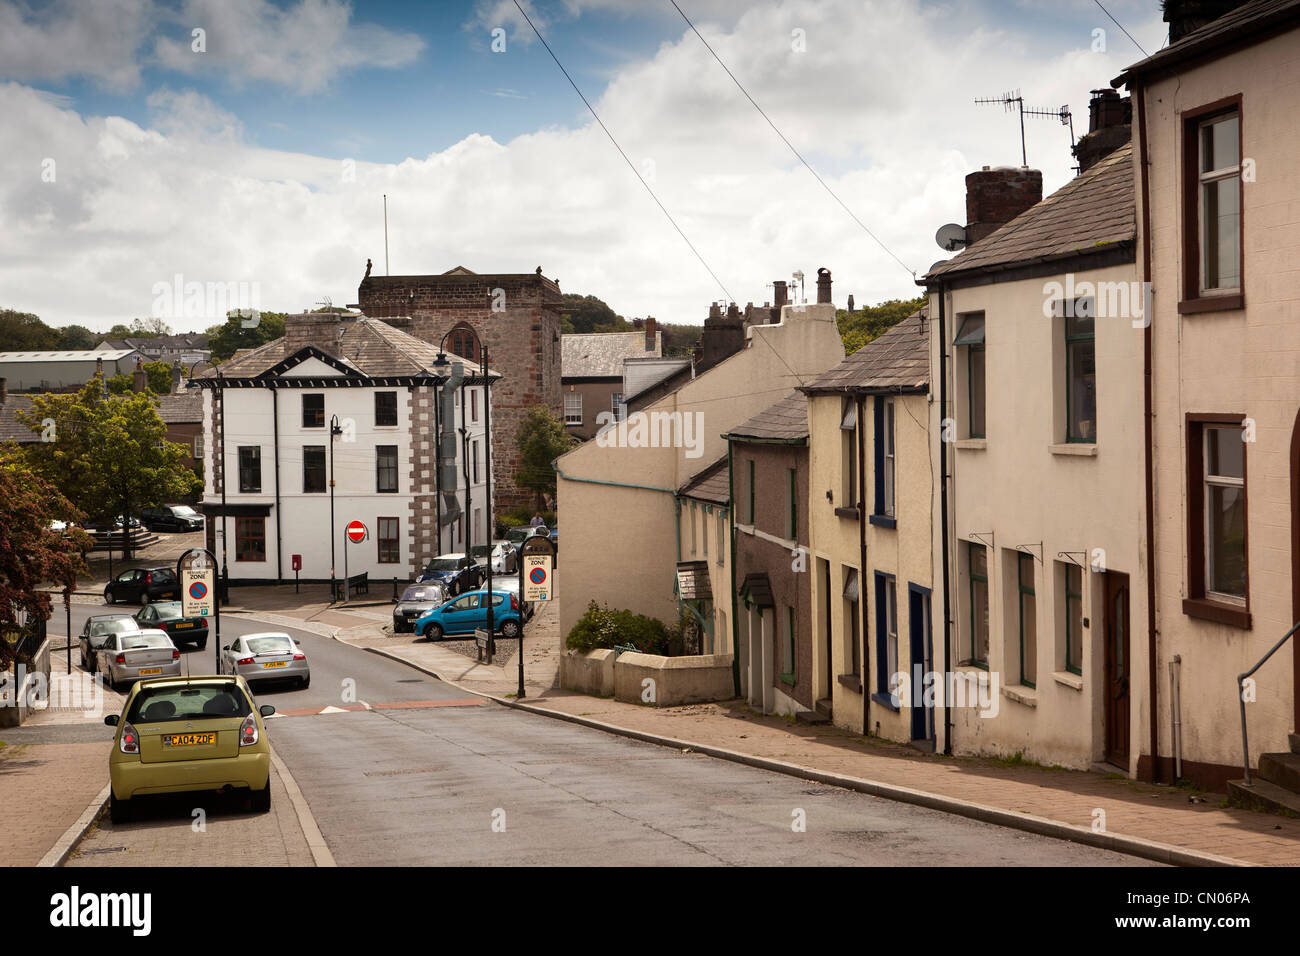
<point x="402" y="769"/>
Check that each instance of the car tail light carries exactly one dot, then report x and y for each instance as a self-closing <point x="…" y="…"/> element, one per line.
<point x="248" y="731"/>
<point x="244" y="660"/>
<point x="121" y="658"/>
<point x="130" y="743"/>
<point x="300" y="657"/>
<point x="514" y="603"/>
<point x="176" y="655"/>
<point x="148" y="579"/>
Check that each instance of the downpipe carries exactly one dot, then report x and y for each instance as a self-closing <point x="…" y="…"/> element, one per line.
<point x="1175" y="702"/>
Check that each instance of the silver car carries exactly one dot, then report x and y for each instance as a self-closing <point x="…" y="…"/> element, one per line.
<point x="269" y="655"/>
<point x="416" y="599"/>
<point x="126" y="657"/>
<point x="97" y="630"/>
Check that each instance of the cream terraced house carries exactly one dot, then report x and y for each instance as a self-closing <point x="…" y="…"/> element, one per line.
<point x="1039" y="372"/>
<point x="1216" y="140"/>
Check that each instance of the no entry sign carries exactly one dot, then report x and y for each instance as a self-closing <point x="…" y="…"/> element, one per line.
<point x="356" y="532"/>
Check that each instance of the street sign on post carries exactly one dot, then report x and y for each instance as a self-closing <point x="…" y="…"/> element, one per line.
<point x="356" y="533"/>
<point x="196" y="571"/>
<point x="536" y="560"/>
<point x="537" y="577"/>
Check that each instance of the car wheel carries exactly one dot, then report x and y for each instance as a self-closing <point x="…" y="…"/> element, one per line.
<point x="260" y="800"/>
<point x="108" y="596"/>
<point x="119" y="811"/>
<point x="510" y="629"/>
<point x="305" y="682"/>
<point x="201" y="645"/>
<point x="433" y="632"/>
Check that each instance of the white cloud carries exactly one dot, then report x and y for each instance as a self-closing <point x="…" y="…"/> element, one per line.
<point x="71" y="39"/>
<point x="305" y="46"/>
<point x="881" y="103"/>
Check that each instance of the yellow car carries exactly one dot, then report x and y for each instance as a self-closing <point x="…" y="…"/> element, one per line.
<point x="180" y="734"/>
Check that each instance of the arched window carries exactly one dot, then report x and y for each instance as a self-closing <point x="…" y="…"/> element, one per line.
<point x="463" y="342"/>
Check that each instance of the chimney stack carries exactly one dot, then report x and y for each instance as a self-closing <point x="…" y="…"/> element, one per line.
<point x="1110" y="119"/>
<point x="823" y="285"/>
<point x="651" y="338"/>
<point x="139" y="379"/>
<point x="321" y="329"/>
<point x="996" y="196"/>
<point x="850" y="301"/>
<point x="176" y="376"/>
<point x="1184" y="16"/>
<point x="723" y="336"/>
<point x="780" y="294"/>
<point x="4" y="390"/>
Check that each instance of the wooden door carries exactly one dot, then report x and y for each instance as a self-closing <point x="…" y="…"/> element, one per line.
<point x="1117" y="677"/>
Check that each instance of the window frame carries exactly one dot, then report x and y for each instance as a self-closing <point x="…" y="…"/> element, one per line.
<point x="1201" y="602"/>
<point x="575" y="399"/>
<point x="974" y="343"/>
<point x="884" y="509"/>
<point x="1074" y="341"/>
<point x="240" y="469"/>
<point x="975" y="659"/>
<point x="309" y="421"/>
<point x="850" y="479"/>
<point x="243" y="538"/>
<point x="1073" y="617"/>
<point x="380" y="468"/>
<point x="386" y="395"/>
<point x="1195" y="298"/>
<point x="886" y="638"/>
<point x="392" y="546"/>
<point x="324" y="469"/>
<point x="1025" y="559"/>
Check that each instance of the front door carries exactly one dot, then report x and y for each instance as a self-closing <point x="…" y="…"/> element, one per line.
<point x="918" y="625"/>
<point x="1117" y="684"/>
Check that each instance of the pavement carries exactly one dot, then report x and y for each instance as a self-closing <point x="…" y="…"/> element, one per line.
<point x="1158" y="822"/>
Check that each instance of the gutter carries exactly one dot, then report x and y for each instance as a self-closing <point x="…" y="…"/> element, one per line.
<point x="1148" y="415"/>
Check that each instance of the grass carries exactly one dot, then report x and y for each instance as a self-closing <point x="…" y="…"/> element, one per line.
<point x="1018" y="759"/>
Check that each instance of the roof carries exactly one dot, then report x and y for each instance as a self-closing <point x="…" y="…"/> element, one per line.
<point x="80" y="355"/>
<point x="1088" y="215"/>
<point x="757" y="589"/>
<point x="181" y="408"/>
<point x="180" y="341"/>
<point x="898" y="361"/>
<point x="713" y="484"/>
<point x="11" y="429"/>
<point x="1250" y="22"/>
<point x="369" y="346"/>
<point x="786" y="421"/>
<point x="601" y="354"/>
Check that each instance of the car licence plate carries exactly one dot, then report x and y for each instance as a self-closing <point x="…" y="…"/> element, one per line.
<point x="186" y="624"/>
<point x="150" y="670"/>
<point x="189" y="740"/>
<point x="276" y="664"/>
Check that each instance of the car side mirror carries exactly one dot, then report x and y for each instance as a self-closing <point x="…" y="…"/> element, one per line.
<point x="266" y="710"/>
<point x="226" y="648"/>
<point x="298" y="642"/>
<point x="111" y="720"/>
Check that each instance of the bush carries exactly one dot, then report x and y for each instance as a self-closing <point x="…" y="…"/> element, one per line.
<point x="601" y="627"/>
<point x="521" y="517"/>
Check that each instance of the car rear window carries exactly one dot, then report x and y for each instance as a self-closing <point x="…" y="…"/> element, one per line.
<point x="185" y="511"/>
<point x="163" y="575"/>
<point x="269" y="645"/>
<point x="146" y="640"/>
<point x="168" y="612"/>
<point x="119" y="626"/>
<point x="202" y="702"/>
<point x="422" y="594"/>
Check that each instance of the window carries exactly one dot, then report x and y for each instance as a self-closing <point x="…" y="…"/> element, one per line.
<point x="1028" y="619"/>
<point x="250" y="469"/>
<point x="970" y="336"/>
<point x="752" y="520"/>
<point x="792" y="527"/>
<point x="884" y="445"/>
<point x="1080" y="374"/>
<point x="704" y="532"/>
<point x="250" y="539"/>
<point x="1219" y="220"/>
<point x="473" y="453"/>
<point x="787" y="656"/>
<point x="852" y="626"/>
<point x="473" y="404"/>
<point x="886" y="638"/>
<point x="722" y="538"/>
<point x="386" y="469"/>
<point x="1218" y="581"/>
<point x="390" y="545"/>
<point x="198" y="447"/>
<point x="572" y="408"/>
<point x="977" y="561"/>
<point x="1074" y="618"/>
<point x="313" y="469"/>
<point x="313" y="410"/>
<point x="464" y="344"/>
<point x="616" y="406"/>
<point x="385" y="409"/>
<point x="849" y="454"/>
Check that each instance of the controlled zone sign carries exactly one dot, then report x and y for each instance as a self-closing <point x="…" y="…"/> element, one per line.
<point x="197" y="597"/>
<point x="537" y="577"/>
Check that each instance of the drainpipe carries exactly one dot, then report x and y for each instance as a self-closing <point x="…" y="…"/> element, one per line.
<point x="863" y="588"/>
<point x="1176" y="704"/>
<point x="1148" y="415"/>
<point x="731" y="514"/>
<point x="279" y="514"/>
<point x="943" y="519"/>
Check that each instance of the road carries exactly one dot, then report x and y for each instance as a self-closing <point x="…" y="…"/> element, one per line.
<point x="421" y="774"/>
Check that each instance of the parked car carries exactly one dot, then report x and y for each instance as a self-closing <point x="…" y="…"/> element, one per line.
<point x="456" y="573"/>
<point x="504" y="555"/>
<point x="416" y="599"/>
<point x="166" y="616"/>
<point x="116" y="524"/>
<point x="266" y="656"/>
<point x="127" y="656"/>
<point x="510" y="584"/>
<point x="469" y="611"/>
<point x="180" y="518"/>
<point x="516" y="535"/>
<point x="143" y="586"/>
<point x="97" y="629"/>
<point x="184" y="734"/>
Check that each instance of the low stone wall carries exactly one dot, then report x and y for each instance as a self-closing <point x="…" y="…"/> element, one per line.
<point x="649" y="678"/>
<point x="15" y="707"/>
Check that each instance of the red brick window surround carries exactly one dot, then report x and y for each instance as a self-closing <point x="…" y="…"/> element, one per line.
<point x="1218" y="578"/>
<point x="1213" y="217"/>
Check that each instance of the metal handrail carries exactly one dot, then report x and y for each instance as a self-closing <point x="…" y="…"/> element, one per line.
<point x="1241" y="699"/>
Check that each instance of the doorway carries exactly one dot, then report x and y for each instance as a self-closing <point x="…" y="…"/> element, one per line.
<point x="922" y="653"/>
<point x="1116" y="685"/>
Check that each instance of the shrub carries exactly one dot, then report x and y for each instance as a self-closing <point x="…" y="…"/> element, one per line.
<point x="520" y="517"/>
<point x="601" y="627"/>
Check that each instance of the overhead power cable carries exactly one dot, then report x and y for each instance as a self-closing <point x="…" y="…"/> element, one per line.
<point x="1121" y="26"/>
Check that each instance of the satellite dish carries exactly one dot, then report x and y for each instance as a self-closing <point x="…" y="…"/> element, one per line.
<point x="951" y="237"/>
<point x="941" y="262"/>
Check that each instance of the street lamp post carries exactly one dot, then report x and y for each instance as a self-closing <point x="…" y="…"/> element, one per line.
<point x="335" y="431"/>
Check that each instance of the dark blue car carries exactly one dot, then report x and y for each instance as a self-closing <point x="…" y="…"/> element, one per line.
<point x="456" y="573"/>
<point x="469" y="611"/>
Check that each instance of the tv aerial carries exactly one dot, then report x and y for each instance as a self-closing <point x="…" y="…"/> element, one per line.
<point x="1014" y="101"/>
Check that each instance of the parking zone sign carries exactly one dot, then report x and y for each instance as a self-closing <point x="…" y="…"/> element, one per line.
<point x="537" y="577"/>
<point x="197" y="592"/>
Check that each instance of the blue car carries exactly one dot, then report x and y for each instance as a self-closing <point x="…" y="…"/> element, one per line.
<point x="469" y="611"/>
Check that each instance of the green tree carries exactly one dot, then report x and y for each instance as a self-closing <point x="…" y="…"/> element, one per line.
<point x="226" y="339"/>
<point x="31" y="552"/>
<point x="25" y="332"/>
<point x="119" y="331"/>
<point x="76" y="338"/>
<point x="108" y="456"/>
<point x="864" y="325"/>
<point x="586" y="313"/>
<point x="150" y="328"/>
<point x="160" y="379"/>
<point x="541" y="439"/>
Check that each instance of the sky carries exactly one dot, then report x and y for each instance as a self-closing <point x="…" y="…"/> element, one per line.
<point x="242" y="148"/>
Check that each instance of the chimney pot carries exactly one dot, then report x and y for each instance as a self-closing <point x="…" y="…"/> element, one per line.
<point x="823" y="285"/>
<point x="780" y="294"/>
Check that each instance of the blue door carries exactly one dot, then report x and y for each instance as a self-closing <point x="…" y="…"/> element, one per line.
<point x="462" y="616"/>
<point x="922" y="662"/>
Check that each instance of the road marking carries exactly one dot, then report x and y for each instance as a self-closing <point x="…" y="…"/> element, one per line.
<point x="391" y="705"/>
<point x="320" y="851"/>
